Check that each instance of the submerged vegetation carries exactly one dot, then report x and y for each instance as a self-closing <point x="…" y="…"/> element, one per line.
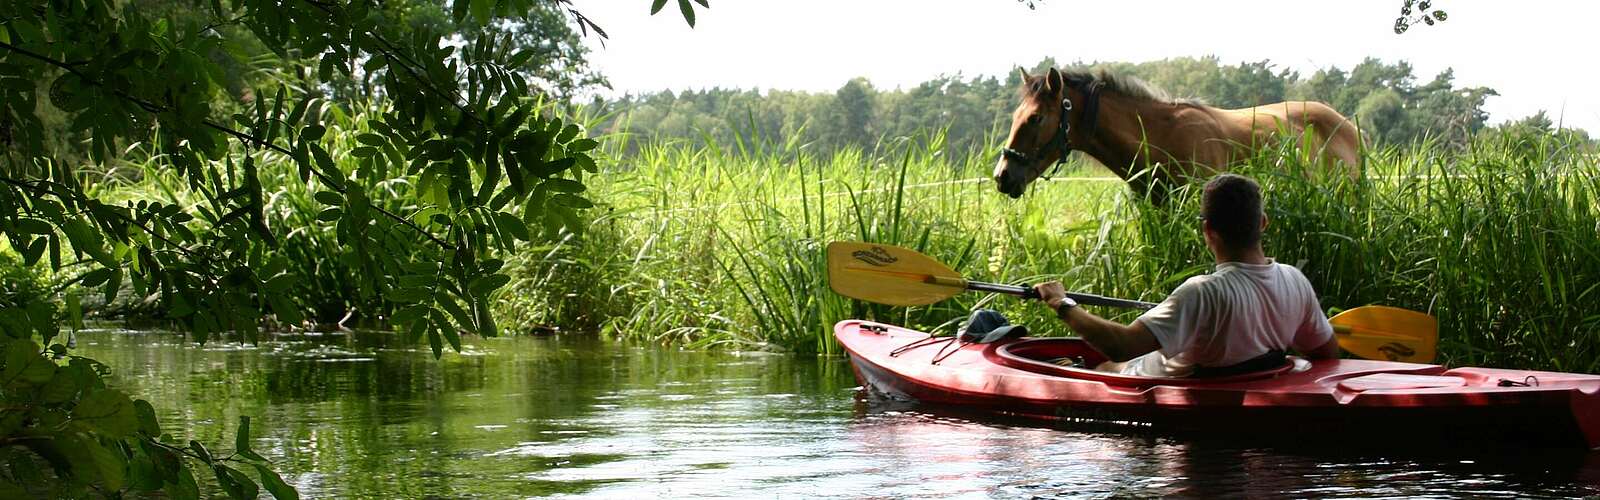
<point x="709" y="246"/>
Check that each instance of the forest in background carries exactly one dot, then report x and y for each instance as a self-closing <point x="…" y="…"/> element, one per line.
<point x="1393" y="106"/>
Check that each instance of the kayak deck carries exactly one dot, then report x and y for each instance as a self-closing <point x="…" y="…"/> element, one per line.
<point x="1381" y="399"/>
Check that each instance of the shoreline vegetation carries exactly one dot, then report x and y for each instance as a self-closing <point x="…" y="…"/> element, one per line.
<point x="709" y="247"/>
<point x="724" y="247"/>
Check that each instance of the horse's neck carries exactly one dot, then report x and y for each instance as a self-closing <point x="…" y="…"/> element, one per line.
<point x="1130" y="133"/>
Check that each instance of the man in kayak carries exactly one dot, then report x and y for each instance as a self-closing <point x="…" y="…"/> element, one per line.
<point x="1240" y="318"/>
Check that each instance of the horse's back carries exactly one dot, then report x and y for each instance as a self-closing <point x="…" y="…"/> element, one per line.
<point x="1336" y="136"/>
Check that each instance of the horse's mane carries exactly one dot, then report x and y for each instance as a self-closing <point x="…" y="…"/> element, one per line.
<point x="1127" y="85"/>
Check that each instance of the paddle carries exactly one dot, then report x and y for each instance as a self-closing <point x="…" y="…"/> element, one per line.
<point x="1383" y="332"/>
<point x="897" y="276"/>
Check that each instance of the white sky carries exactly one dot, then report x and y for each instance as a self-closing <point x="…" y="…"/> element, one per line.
<point x="1538" y="55"/>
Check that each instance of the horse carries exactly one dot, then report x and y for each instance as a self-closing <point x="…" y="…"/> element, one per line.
<point x="1148" y="138"/>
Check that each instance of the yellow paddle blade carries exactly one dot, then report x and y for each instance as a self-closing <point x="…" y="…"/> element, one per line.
<point x="887" y="274"/>
<point x="1391" y="333"/>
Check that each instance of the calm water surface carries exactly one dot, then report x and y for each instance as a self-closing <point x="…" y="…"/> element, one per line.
<point x="365" y="416"/>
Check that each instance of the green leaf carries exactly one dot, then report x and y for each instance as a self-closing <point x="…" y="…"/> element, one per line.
<point x="329" y="198"/>
<point x="235" y="483"/>
<point x="572" y="201"/>
<point x="374" y="63"/>
<point x="455" y="310"/>
<point x="275" y="485"/>
<point x="24" y="363"/>
<point x="483" y="286"/>
<point x="109" y="411"/>
<point x="185" y="487"/>
<point x="62" y="387"/>
<point x="142" y="473"/>
<point x="330" y="215"/>
<point x="279" y="284"/>
<point x="147" y="418"/>
<point x="512" y="224"/>
<point x="449" y="332"/>
<point x="482" y="11"/>
<point x="286" y="310"/>
<point x="434" y="342"/>
<point x="96" y="277"/>
<point x="564" y="186"/>
<point x="582" y="145"/>
<point x="87" y="239"/>
<point x="521" y="58"/>
<point x="567" y="133"/>
<point x="201" y="451"/>
<point x="27" y="225"/>
<point x="312" y="133"/>
<point x="688" y="11"/>
<point x="110" y="466"/>
<point x="408" y="294"/>
<point x="415" y="331"/>
<point x="32" y="252"/>
<point x="656" y="6"/>
<point x="241" y="440"/>
<point x="113" y="284"/>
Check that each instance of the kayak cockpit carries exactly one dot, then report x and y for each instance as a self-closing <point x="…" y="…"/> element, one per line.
<point x="1074" y="358"/>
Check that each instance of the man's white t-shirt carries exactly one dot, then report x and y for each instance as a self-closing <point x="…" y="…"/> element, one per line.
<point x="1230" y="316"/>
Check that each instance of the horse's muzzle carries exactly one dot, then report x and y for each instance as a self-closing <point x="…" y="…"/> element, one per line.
<point x="1009" y="182"/>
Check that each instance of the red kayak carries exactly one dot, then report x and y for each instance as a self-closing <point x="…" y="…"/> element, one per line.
<point x="1399" y="403"/>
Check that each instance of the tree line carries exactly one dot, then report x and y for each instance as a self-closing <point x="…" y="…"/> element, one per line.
<point x="1392" y="105"/>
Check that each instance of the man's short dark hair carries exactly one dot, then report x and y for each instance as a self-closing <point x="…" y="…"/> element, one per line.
<point x="1232" y="205"/>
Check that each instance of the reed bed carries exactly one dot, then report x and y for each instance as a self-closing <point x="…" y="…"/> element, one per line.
<point x="702" y="246"/>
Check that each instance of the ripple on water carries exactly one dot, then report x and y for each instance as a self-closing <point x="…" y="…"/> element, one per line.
<point x="573" y="417"/>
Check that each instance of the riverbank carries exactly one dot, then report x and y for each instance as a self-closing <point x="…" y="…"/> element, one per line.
<point x="709" y="247"/>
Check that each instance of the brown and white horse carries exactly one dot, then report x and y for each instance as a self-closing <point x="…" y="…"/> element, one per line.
<point x="1148" y="138"/>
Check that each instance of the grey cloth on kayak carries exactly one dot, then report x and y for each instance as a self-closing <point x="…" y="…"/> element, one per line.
<point x="988" y="325"/>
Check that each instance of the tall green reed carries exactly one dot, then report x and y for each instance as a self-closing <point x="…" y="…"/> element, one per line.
<point x="726" y="246"/>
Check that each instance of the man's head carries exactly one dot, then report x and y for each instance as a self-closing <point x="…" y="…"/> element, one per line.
<point x="1231" y="208"/>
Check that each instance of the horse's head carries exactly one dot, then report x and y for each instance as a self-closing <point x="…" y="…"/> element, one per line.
<point x="1038" y="135"/>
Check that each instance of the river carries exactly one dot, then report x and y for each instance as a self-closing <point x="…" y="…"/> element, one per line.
<point x="363" y="415"/>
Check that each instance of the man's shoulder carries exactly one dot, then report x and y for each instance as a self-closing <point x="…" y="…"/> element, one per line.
<point x="1195" y="284"/>
<point x="1291" y="272"/>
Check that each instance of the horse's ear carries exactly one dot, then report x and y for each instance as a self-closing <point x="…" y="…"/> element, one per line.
<point x="1023" y="73"/>
<point x="1053" y="81"/>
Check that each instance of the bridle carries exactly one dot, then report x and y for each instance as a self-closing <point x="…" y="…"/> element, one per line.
<point x="1091" y="89"/>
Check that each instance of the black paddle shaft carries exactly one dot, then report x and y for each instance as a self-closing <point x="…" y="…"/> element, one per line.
<point x="1082" y="298"/>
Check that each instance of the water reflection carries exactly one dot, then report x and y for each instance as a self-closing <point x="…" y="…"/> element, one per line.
<point x="363" y="415"/>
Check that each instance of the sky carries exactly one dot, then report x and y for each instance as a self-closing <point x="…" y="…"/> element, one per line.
<point x="1537" y="55"/>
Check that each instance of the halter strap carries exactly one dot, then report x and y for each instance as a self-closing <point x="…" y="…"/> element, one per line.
<point x="1091" y="113"/>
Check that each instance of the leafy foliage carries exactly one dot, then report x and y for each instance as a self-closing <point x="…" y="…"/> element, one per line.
<point x="1424" y="13"/>
<point x="60" y="416"/>
<point x="455" y="157"/>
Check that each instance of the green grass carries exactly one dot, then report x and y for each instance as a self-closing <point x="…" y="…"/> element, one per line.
<point x="706" y="246"/>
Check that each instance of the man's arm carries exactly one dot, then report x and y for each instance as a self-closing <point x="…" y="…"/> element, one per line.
<point x="1329" y="350"/>
<point x="1117" y="341"/>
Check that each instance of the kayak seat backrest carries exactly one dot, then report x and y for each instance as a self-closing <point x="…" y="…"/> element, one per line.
<point x="1036" y="355"/>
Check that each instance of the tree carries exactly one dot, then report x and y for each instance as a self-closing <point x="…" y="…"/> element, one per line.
<point x="455" y="159"/>
<point x="855" y="103"/>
